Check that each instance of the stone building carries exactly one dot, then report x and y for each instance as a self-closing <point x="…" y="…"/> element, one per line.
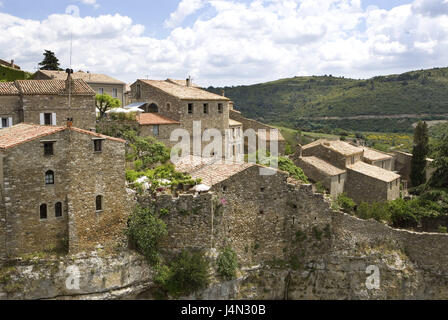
<point x="157" y="126"/>
<point x="364" y="174"/>
<point x="60" y="186"/>
<point x="403" y="166"/>
<point x="100" y="83"/>
<point x="184" y="102"/>
<point x="9" y="64"/>
<point x="47" y="102"/>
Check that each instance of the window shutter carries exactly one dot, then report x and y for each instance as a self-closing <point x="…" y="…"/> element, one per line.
<point x="53" y="119"/>
<point x="10" y="121"/>
<point x="1" y="123"/>
<point x="42" y="119"/>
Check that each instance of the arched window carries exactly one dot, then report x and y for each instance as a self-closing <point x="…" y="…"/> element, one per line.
<point x="49" y="177"/>
<point x="152" y="108"/>
<point x="58" y="210"/>
<point x="99" y="203"/>
<point x="43" y="211"/>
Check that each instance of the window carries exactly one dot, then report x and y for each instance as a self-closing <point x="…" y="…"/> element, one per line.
<point x="339" y="178"/>
<point x="353" y="160"/>
<point x="49" y="177"/>
<point x="47" y="119"/>
<point x="168" y="106"/>
<point x="58" y="210"/>
<point x="100" y="90"/>
<point x="155" y="130"/>
<point x="220" y="108"/>
<point x="138" y="94"/>
<point x="43" y="211"/>
<point x="6" y="122"/>
<point x="98" y="145"/>
<point x="205" y="108"/>
<point x="99" y="203"/>
<point x="224" y="188"/>
<point x="190" y="108"/>
<point x="48" y="149"/>
<point x="115" y="92"/>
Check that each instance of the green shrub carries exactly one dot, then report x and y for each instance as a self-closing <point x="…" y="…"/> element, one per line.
<point x="443" y="229"/>
<point x="227" y="263"/>
<point x="346" y="204"/>
<point x="320" y="187"/>
<point x="187" y="273"/>
<point x="145" y="230"/>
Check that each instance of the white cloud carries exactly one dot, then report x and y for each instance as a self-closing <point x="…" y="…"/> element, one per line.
<point x="241" y="43"/>
<point x="1" y="4"/>
<point x="184" y="9"/>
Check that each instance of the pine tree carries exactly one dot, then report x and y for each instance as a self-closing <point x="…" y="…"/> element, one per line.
<point x="419" y="154"/>
<point x="50" y="61"/>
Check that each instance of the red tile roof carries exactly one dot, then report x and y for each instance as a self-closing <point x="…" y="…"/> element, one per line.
<point x="154" y="118"/>
<point x="25" y="132"/>
<point x="8" y="89"/>
<point x="53" y="87"/>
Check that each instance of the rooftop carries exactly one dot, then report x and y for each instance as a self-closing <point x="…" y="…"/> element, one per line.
<point x="234" y="123"/>
<point x="26" y="132"/>
<point x="87" y="77"/>
<point x="323" y="166"/>
<point x="45" y="87"/>
<point x="210" y="172"/>
<point x="154" y="118"/>
<point x="183" y="92"/>
<point x="373" y="155"/>
<point x="338" y="146"/>
<point x="182" y="83"/>
<point x="374" y="171"/>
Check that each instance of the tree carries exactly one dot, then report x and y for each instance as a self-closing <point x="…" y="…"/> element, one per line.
<point x="105" y="102"/>
<point x="50" y="62"/>
<point x="419" y="154"/>
<point x="439" y="178"/>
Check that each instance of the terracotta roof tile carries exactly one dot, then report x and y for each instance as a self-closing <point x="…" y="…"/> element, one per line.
<point x="87" y="77"/>
<point x="52" y="87"/>
<point x="374" y="171"/>
<point x="183" y="92"/>
<point x="154" y="118"/>
<point x="8" y="89"/>
<point x="25" y="132"/>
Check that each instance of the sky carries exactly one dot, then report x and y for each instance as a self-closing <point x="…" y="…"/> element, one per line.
<point x="228" y="42"/>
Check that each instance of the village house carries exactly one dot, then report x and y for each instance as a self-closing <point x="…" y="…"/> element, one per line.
<point x="364" y="174"/>
<point x="403" y="162"/>
<point x="60" y="186"/>
<point x="47" y="102"/>
<point x="183" y="102"/>
<point x="100" y="83"/>
<point x="9" y="64"/>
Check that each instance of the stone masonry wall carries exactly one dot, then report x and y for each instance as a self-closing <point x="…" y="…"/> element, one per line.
<point x="82" y="109"/>
<point x="9" y="107"/>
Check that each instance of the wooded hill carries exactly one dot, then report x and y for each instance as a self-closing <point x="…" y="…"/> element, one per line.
<point x="292" y="102"/>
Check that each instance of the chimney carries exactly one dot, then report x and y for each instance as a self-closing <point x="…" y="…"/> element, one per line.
<point x="69" y="79"/>
<point x="12" y="63"/>
<point x="69" y="122"/>
<point x="223" y="92"/>
<point x="188" y="81"/>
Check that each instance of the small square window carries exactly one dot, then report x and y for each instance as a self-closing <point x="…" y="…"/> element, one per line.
<point x="190" y="108"/>
<point x="115" y="92"/>
<point x="48" y="149"/>
<point x="47" y="119"/>
<point x="220" y="108"/>
<point x="101" y="91"/>
<point x="98" y="145"/>
<point x="205" y="108"/>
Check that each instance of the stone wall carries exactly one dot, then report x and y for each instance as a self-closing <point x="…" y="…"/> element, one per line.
<point x="255" y="125"/>
<point x="108" y="89"/>
<point x="9" y="107"/>
<point x="334" y="158"/>
<point x="164" y="133"/>
<point x="82" y="109"/>
<point x="403" y="166"/>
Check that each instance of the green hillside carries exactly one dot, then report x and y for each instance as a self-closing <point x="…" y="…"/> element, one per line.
<point x="10" y="74"/>
<point x="288" y="101"/>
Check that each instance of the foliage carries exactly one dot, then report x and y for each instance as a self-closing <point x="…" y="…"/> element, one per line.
<point x="11" y="74"/>
<point x="419" y="154"/>
<point x="320" y="188"/>
<point x="146" y="230"/>
<point x="50" y="62"/>
<point x="147" y="150"/>
<point x="105" y="102"/>
<point x="346" y="204"/>
<point x="227" y="263"/>
<point x="187" y="273"/>
<point x="439" y="179"/>
<point x="288" y="101"/>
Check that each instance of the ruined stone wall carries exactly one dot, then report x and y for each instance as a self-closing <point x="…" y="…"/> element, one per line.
<point x="24" y="191"/>
<point x="82" y="109"/>
<point x="9" y="107"/>
<point x="95" y="174"/>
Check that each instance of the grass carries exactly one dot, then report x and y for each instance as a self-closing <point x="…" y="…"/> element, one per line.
<point x="286" y="101"/>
